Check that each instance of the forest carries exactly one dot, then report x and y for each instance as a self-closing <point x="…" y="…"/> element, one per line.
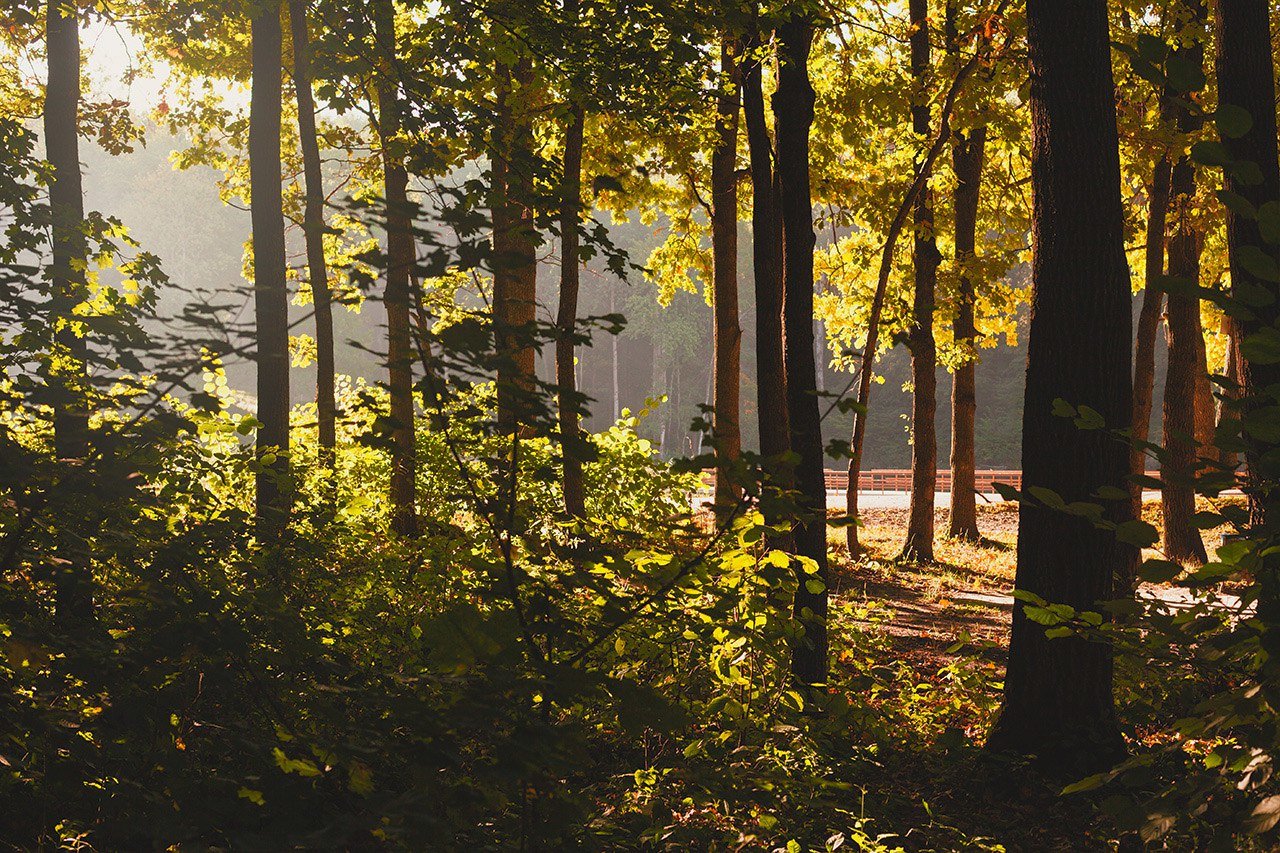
<point x="727" y="425"/>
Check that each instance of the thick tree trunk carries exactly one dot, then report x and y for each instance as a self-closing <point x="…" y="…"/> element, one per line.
<point x="724" y="254"/>
<point x="313" y="227"/>
<point x="793" y="112"/>
<point x="1246" y="79"/>
<point x="398" y="298"/>
<point x="515" y="259"/>
<point x="568" y="399"/>
<point x="1186" y="369"/>
<point x="766" y="252"/>
<point x="967" y="160"/>
<point x="1144" y="352"/>
<point x="73" y="591"/>
<point x="924" y="357"/>
<point x="1058" y="702"/>
<point x="271" y="294"/>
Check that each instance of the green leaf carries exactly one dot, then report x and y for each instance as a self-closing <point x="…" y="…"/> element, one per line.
<point x="1159" y="571"/>
<point x="1140" y="534"/>
<point x="1233" y="122"/>
<point x="1208" y="153"/>
<point x="1269" y="221"/>
<point x="1263" y="424"/>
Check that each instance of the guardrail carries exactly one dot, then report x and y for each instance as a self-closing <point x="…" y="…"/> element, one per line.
<point x="899" y="479"/>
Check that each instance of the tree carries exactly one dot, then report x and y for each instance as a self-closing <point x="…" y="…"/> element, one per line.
<point x="1144" y="351"/>
<point x="400" y="263"/>
<point x="966" y="158"/>
<point x="571" y="449"/>
<point x="1186" y="372"/>
<point x="1246" y="84"/>
<point x="70" y="257"/>
<point x="924" y="358"/>
<point x="766" y="256"/>
<point x="1058" y="702"/>
<point x="793" y="114"/>
<point x="314" y="229"/>
<point x="271" y="294"/>
<point x="724" y="264"/>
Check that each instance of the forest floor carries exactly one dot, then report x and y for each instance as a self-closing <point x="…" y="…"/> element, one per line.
<point x="947" y="623"/>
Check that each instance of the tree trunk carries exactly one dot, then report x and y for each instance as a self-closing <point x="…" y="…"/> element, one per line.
<point x="73" y="590"/>
<point x="924" y="358"/>
<point x="1144" y="353"/>
<point x="793" y="112"/>
<point x="766" y="253"/>
<point x="1228" y="407"/>
<point x="1246" y="79"/>
<point x="515" y="259"/>
<point x="724" y="252"/>
<point x="400" y="262"/>
<point x="967" y="161"/>
<point x="1058" y="702"/>
<point x="313" y="227"/>
<point x="271" y="294"/>
<point x="568" y="400"/>
<point x="1186" y="369"/>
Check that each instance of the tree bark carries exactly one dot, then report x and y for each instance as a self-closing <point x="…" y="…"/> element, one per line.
<point x="766" y="255"/>
<point x="1246" y="79"/>
<point x="1186" y="369"/>
<point x="724" y="254"/>
<point x="271" y="294"/>
<point x="1058" y="703"/>
<point x="1144" y="352"/>
<point x="924" y="359"/>
<point x="967" y="161"/>
<point x="515" y="259"/>
<point x="793" y="111"/>
<point x="571" y="441"/>
<point x="398" y="297"/>
<point x="73" y="590"/>
<point x="313" y="226"/>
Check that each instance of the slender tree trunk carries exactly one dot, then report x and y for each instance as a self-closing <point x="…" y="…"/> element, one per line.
<point x="1246" y="79"/>
<point x="724" y="252"/>
<point x="1228" y="407"/>
<point x="1058" y="702"/>
<point x="793" y="112"/>
<point x="766" y="253"/>
<point x="271" y="294"/>
<point x="1144" y="353"/>
<point x="400" y="261"/>
<point x="967" y="161"/>
<point x="924" y="358"/>
<point x="613" y="343"/>
<point x="568" y="399"/>
<point x="314" y="226"/>
<point x="1206" y="406"/>
<point x="515" y="243"/>
<point x="73" y="590"/>
<point x="1186" y="369"/>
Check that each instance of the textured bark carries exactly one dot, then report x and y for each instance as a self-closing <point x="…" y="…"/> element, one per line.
<point x="766" y="253"/>
<point x="1058" y="702"/>
<point x="924" y="356"/>
<point x="398" y="296"/>
<point x="724" y="261"/>
<point x="514" y="245"/>
<point x="1144" y="351"/>
<point x="1246" y="79"/>
<point x="793" y="114"/>
<point x="571" y="443"/>
<point x="1228" y="412"/>
<point x="313" y="226"/>
<point x="1186" y="371"/>
<point x="73" y="591"/>
<point x="271" y="294"/>
<point x="967" y="160"/>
